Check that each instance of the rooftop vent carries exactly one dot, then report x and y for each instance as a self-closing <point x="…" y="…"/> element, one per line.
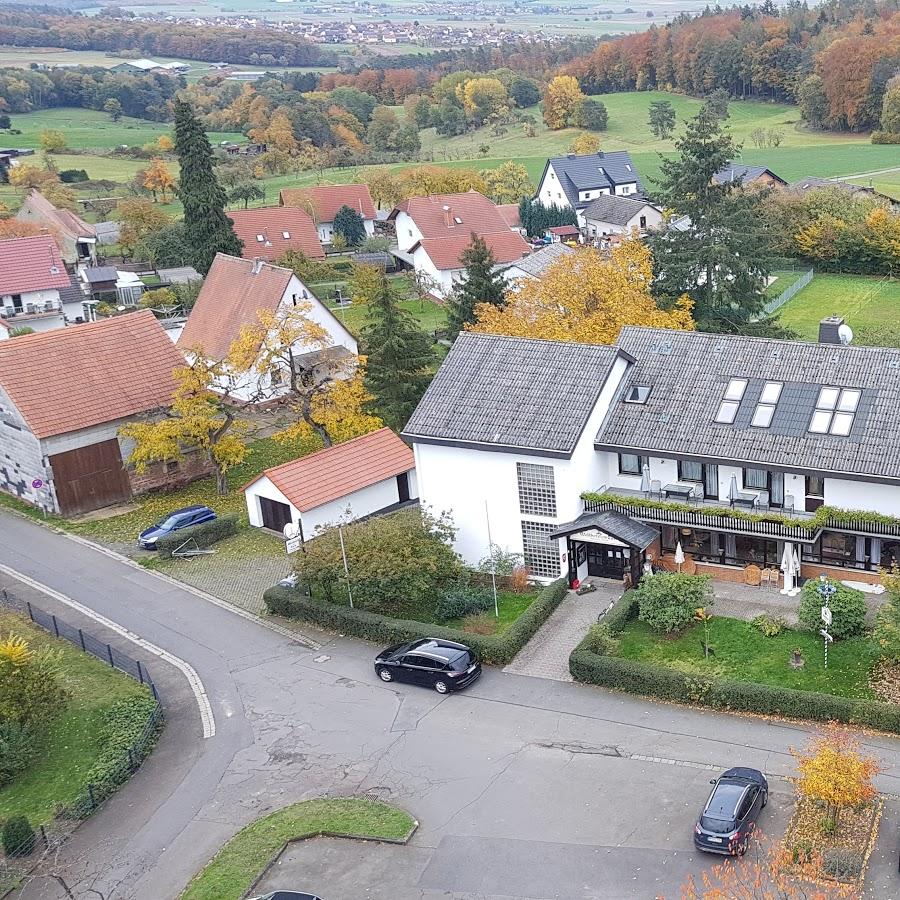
<point x="257" y="265"/>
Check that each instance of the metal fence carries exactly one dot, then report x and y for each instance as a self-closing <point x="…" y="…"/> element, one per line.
<point x="788" y="293"/>
<point x="17" y="861"/>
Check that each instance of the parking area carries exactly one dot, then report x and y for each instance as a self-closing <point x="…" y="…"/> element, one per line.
<point x="579" y="832"/>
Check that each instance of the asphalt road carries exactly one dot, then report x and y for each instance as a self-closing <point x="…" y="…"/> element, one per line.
<point x="523" y="787"/>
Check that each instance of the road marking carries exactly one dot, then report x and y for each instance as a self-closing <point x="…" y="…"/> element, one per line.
<point x="206" y="714"/>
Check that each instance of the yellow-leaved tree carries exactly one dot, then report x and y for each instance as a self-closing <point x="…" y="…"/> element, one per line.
<point x="585" y="144"/>
<point x="508" y="183"/>
<point x="587" y="297"/>
<point x="560" y="99"/>
<point x="158" y="178"/>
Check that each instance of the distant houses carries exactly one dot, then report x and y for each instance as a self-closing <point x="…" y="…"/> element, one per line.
<point x="322" y="202"/>
<point x="150" y="67"/>
<point x="608" y="215"/>
<point x="745" y="175"/>
<point x="76" y="238"/>
<point x="271" y="231"/>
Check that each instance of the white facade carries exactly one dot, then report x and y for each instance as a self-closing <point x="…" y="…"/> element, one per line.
<point x="38" y="310"/>
<point x="326" y="230"/>
<point x="550" y="192"/>
<point x="645" y="219"/>
<point x="355" y="505"/>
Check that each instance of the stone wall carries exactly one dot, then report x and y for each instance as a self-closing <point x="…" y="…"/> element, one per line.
<point x="168" y="476"/>
<point x="21" y="459"/>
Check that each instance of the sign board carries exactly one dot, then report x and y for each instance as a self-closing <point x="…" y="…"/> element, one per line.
<point x="826" y="615"/>
<point x="37" y="484"/>
<point x="291" y="530"/>
<point x="292" y="545"/>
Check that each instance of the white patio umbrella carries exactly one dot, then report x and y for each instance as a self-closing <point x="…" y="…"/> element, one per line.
<point x="796" y="562"/>
<point x="733" y="488"/>
<point x="787" y="567"/>
<point x="645" y="479"/>
<point x="679" y="555"/>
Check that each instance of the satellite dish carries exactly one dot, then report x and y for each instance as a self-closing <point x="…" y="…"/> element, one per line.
<point x="845" y="334"/>
<point x="291" y="530"/>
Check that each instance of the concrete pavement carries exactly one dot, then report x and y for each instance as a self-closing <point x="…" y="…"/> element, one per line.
<point x="601" y="788"/>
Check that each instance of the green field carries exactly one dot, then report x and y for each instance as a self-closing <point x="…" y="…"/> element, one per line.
<point x="871" y="307"/>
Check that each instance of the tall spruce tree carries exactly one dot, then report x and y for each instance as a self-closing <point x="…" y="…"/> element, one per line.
<point x="207" y="229"/>
<point x="481" y="284"/>
<point x="399" y="354"/>
<point x="722" y="261"/>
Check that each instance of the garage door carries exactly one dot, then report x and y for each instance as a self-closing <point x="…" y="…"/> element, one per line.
<point x="90" y="477"/>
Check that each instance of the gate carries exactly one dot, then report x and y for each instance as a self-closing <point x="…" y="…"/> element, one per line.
<point x="90" y="478"/>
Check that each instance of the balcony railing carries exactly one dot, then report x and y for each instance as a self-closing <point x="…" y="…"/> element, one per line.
<point x="717" y="515"/>
<point x="28" y="310"/>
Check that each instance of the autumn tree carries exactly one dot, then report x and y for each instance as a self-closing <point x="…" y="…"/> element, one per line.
<point x="114" y="108"/>
<point x="813" y="101"/>
<point x="245" y="191"/>
<point x="422" y="181"/>
<point x="507" y="183"/>
<point x="890" y="107"/>
<point x="165" y="144"/>
<point x="384" y="188"/>
<point x="483" y="99"/>
<point x="585" y="297"/>
<point x="662" y="119"/>
<point x="834" y="771"/>
<point x="585" y="144"/>
<point x="481" y="285"/>
<point x="139" y="219"/>
<point x="887" y="622"/>
<point x="52" y="141"/>
<point x="398" y="352"/>
<point x="158" y="179"/>
<point x="560" y="100"/>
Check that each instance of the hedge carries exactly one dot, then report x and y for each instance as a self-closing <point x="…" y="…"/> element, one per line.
<point x="743" y="696"/>
<point x="205" y="534"/>
<point x="496" y="649"/>
<point x="622" y="612"/>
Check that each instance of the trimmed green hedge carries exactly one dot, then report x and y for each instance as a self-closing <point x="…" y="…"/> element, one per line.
<point x="623" y="611"/>
<point x="496" y="649"/>
<point x="743" y="696"/>
<point x="206" y="534"/>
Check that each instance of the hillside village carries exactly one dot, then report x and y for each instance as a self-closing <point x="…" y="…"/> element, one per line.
<point x="601" y="448"/>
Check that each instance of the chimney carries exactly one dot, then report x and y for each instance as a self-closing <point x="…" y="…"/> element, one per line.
<point x="257" y="265"/>
<point x="447" y="216"/>
<point x="571" y="155"/>
<point x="830" y="330"/>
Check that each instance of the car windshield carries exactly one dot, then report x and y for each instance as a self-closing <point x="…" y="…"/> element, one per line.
<point x="716" y="826"/>
<point x="167" y="522"/>
<point x="720" y="811"/>
<point x="460" y="662"/>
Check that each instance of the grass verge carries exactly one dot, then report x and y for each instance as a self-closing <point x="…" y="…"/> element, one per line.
<point x="510" y="606"/>
<point x="238" y="865"/>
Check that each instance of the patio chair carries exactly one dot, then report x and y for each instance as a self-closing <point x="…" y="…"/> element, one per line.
<point x="762" y="500"/>
<point x="656" y="489"/>
<point x="788" y="502"/>
<point x="697" y="494"/>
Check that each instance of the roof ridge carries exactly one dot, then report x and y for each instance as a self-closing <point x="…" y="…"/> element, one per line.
<point x="511" y="337"/>
<point x="321" y="450"/>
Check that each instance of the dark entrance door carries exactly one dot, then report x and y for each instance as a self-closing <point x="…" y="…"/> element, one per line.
<point x="606" y="561"/>
<point x="90" y="478"/>
<point x="275" y="515"/>
<point x="403" y="487"/>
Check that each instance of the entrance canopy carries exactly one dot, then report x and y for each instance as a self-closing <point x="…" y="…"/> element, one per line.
<point x="617" y="525"/>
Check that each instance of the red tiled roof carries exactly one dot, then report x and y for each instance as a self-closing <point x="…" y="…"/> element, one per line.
<point x="337" y="471"/>
<point x="564" y="230"/>
<point x="273" y="223"/>
<point x="510" y="213"/>
<point x="78" y="377"/>
<point x="31" y="264"/>
<point x="445" y="252"/>
<point x="230" y="297"/>
<point x="444" y="215"/>
<point x="70" y="224"/>
<point x="327" y="199"/>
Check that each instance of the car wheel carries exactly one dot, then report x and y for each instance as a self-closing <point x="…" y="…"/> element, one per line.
<point x="385" y="675"/>
<point x="742" y="849"/>
<point x="441" y="687"/>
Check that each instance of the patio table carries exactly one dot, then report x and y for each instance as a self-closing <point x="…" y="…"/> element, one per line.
<point x="679" y="489"/>
<point x="744" y="499"/>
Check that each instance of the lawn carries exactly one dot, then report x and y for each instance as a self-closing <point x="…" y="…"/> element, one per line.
<point x="238" y="865"/>
<point x="71" y="743"/>
<point x="871" y="307"/>
<point x="431" y="316"/>
<point x="783" y="280"/>
<point x="510" y="606"/>
<point x="742" y="652"/>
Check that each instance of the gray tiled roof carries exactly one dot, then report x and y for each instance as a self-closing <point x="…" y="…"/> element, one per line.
<point x="592" y="171"/>
<point x="538" y="263"/>
<point x="615" y="210"/>
<point x="736" y="171"/>
<point x="73" y="293"/>
<point x="509" y="392"/>
<point x="688" y="372"/>
<point x="98" y="274"/>
<point x="629" y="531"/>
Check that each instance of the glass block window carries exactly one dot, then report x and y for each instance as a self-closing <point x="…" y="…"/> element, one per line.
<point x="541" y="554"/>
<point x="537" y="492"/>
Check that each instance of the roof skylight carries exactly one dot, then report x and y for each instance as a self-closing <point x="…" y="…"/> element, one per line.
<point x="835" y="411"/>
<point x="768" y="400"/>
<point x="286" y="235"/>
<point x="731" y="400"/>
<point x="638" y="394"/>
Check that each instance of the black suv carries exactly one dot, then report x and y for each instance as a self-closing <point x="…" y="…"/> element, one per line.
<point x="442" y="665"/>
<point x="730" y="814"/>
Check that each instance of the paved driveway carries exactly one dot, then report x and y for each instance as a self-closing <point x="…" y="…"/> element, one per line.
<point x="511" y="771"/>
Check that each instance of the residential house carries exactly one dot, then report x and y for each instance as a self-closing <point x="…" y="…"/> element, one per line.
<point x="271" y="231"/>
<point x="323" y="202"/>
<point x="563" y="234"/>
<point x="365" y="476"/>
<point x="234" y="292"/>
<point x="76" y="238"/>
<point x="510" y="213"/>
<point x="64" y="395"/>
<point x="666" y="433"/>
<point x="32" y="278"/>
<point x="620" y="215"/>
<point x="107" y="284"/>
<point x="575" y="180"/>
<point x="150" y="67"/>
<point x="433" y="233"/>
<point x="811" y="183"/>
<point x="758" y="176"/>
<point x="535" y="265"/>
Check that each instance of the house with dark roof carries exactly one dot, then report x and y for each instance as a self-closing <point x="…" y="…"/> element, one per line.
<point x="609" y="215"/>
<point x="737" y="452"/>
<point x="234" y="293"/>
<point x="65" y="394"/>
<point x="811" y="183"/>
<point x="77" y="239"/>
<point x="369" y="475"/>
<point x="575" y="180"/>
<point x="433" y="233"/>
<point x="758" y="176"/>
<point x="535" y="265"/>
<point x="269" y="232"/>
<point x="323" y="201"/>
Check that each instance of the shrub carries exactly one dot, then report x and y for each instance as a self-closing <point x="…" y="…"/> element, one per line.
<point x="885" y="137"/>
<point x="496" y="649"/>
<point x="518" y="580"/>
<point x="669" y="601"/>
<point x="16" y="750"/>
<point x="601" y="640"/>
<point x="31" y="688"/>
<point x="848" y="610"/>
<point x="206" y="534"/>
<point x="18" y="837"/>
<point x="71" y="176"/>
<point x="769" y="625"/>
<point x="463" y="600"/>
<point x="479" y="623"/>
<point x="622" y="612"/>
<point x="499" y="562"/>
<point x="839" y="862"/>
<point x="887" y="623"/>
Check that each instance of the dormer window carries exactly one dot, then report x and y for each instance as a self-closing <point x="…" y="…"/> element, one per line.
<point x="731" y="400"/>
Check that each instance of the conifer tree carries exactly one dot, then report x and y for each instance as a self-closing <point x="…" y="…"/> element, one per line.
<point x="207" y="229"/>
<point x="481" y="284"/>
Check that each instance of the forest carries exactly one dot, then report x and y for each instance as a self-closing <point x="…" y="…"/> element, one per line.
<point x="834" y="59"/>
